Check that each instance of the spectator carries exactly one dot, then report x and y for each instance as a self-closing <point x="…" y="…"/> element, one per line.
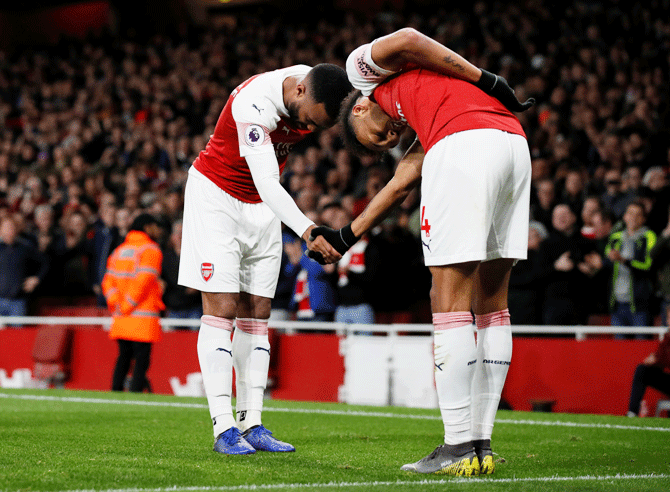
<point x="105" y="239"/>
<point x="71" y="257"/>
<point x="181" y="302"/>
<point x="545" y="199"/>
<point x="527" y="283"/>
<point x="281" y="303"/>
<point x="573" y="190"/>
<point x="356" y="273"/>
<point x="589" y="208"/>
<point x="566" y="299"/>
<point x="653" y="372"/>
<point x="133" y="292"/>
<point x="614" y="198"/>
<point x="629" y="250"/>
<point x="314" y="294"/>
<point x="660" y="257"/>
<point x="22" y="268"/>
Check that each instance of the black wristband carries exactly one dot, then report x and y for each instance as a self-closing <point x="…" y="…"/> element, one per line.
<point x="348" y="236"/>
<point x="487" y="81"/>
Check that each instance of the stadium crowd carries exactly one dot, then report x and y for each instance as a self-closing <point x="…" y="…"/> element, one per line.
<point x="94" y="132"/>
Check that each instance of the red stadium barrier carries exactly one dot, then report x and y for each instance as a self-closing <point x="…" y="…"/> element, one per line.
<point x="589" y="376"/>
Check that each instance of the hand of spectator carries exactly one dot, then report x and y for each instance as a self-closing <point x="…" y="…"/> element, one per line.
<point x="30" y="283"/>
<point x="650" y="360"/>
<point x="294" y="251"/>
<point x="591" y="265"/>
<point x="666" y="232"/>
<point x="497" y="86"/>
<point x="564" y="263"/>
<point x="614" y="255"/>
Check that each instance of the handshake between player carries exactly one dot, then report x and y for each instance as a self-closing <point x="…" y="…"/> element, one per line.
<point x="340" y="239"/>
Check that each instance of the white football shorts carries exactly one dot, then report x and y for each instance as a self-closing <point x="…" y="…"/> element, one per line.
<point x="475" y="198"/>
<point x="227" y="245"/>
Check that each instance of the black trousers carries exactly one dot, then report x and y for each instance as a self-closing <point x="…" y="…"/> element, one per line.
<point x="140" y="352"/>
<point x="647" y="376"/>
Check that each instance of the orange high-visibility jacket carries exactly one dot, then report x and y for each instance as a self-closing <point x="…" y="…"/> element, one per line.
<point x="132" y="289"/>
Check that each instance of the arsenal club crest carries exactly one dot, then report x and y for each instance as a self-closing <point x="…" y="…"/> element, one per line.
<point x="207" y="271"/>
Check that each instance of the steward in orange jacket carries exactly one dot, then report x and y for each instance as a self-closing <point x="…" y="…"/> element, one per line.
<point x="131" y="285"/>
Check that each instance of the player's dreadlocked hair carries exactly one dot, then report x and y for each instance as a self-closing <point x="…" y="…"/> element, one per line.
<point x="329" y="84"/>
<point x="347" y="129"/>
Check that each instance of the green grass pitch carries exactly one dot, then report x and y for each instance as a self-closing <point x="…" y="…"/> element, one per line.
<point x="56" y="440"/>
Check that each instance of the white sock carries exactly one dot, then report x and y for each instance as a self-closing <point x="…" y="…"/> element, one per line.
<point x="494" y="354"/>
<point x="216" y="365"/>
<point x="455" y="352"/>
<point x="251" y="356"/>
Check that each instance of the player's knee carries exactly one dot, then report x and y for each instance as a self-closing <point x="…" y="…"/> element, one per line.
<point x="221" y="305"/>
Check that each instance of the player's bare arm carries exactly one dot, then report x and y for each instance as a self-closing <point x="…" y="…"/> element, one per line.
<point x="408" y="48"/>
<point x="406" y="177"/>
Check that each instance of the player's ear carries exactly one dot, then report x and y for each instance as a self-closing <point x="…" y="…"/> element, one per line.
<point x="300" y="89"/>
<point x="360" y="108"/>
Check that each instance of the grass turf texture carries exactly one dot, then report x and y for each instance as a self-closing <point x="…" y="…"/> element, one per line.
<point x="73" y="440"/>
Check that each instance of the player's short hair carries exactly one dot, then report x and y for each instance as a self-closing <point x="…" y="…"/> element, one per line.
<point x="347" y="128"/>
<point x="329" y="85"/>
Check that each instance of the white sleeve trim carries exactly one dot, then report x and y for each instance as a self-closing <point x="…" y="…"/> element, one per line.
<point x="265" y="173"/>
<point x="364" y="74"/>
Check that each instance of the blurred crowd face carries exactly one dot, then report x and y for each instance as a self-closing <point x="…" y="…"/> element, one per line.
<point x="574" y="183"/>
<point x="634" y="217"/>
<point x="123" y="219"/>
<point x="107" y="215"/>
<point x="632" y="179"/>
<point x="8" y="230"/>
<point x="613" y="182"/>
<point x="76" y="226"/>
<point x="589" y="208"/>
<point x="335" y="217"/>
<point x="546" y="193"/>
<point x="563" y="219"/>
<point x="44" y="218"/>
<point x="601" y="225"/>
<point x="656" y="178"/>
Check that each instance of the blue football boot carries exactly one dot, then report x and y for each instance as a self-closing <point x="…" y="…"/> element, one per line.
<point x="262" y="440"/>
<point x="232" y="442"/>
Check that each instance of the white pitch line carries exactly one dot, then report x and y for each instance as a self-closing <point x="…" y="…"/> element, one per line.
<point x="367" y="485"/>
<point x="346" y="413"/>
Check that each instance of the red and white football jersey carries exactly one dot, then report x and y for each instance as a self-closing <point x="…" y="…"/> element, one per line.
<point x="253" y="121"/>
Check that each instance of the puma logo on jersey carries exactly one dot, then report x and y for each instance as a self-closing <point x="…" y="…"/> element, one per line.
<point x="257" y="108"/>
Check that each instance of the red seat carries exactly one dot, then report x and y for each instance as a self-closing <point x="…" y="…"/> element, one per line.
<point x="51" y="354"/>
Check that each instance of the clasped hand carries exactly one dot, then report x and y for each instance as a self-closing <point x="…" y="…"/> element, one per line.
<point x="326" y="245"/>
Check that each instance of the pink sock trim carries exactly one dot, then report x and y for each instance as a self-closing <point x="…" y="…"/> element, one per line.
<point x="252" y="326"/>
<point x="444" y="321"/>
<point x="216" y="322"/>
<point x="497" y="318"/>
